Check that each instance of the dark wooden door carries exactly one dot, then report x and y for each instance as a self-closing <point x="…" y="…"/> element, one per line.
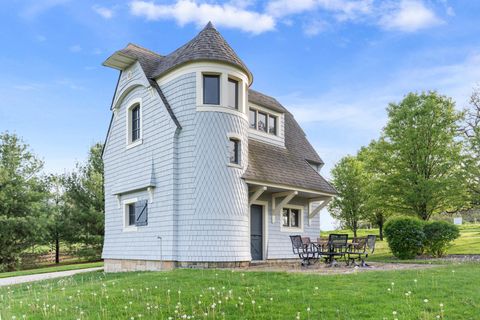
<point x="256" y="232"/>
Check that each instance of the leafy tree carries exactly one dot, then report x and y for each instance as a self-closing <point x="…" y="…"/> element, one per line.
<point x="85" y="200"/>
<point x="22" y="195"/>
<point x="423" y="155"/>
<point x="471" y="132"/>
<point x="59" y="223"/>
<point x="349" y="206"/>
<point x="376" y="171"/>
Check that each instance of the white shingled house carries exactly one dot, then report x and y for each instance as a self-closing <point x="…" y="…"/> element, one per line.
<point x="201" y="170"/>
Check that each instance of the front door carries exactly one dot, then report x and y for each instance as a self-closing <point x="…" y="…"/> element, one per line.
<point x="256" y="232"/>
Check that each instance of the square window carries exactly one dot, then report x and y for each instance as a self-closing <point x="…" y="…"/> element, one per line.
<point x="252" y="116"/>
<point x="233" y="150"/>
<point x="262" y="122"/>
<point x="233" y="93"/>
<point x="211" y="89"/>
<point x="272" y="124"/>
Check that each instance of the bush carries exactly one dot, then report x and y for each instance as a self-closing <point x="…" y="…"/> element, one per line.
<point x="405" y="236"/>
<point x="439" y="236"/>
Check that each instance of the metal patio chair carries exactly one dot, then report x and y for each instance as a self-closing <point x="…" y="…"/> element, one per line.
<point x="359" y="249"/>
<point x="305" y="249"/>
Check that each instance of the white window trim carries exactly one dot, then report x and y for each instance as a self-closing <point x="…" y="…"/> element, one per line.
<point x="128" y="116"/>
<point x="269" y="112"/>
<point x="126" y="227"/>
<point x="301" y="210"/>
<point x="237" y="137"/>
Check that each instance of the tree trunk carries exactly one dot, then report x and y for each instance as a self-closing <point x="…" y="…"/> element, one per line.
<point x="57" y="249"/>
<point x="380" y="229"/>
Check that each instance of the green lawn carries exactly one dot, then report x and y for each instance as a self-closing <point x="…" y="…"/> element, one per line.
<point x="51" y="269"/>
<point x="413" y="294"/>
<point x="468" y="243"/>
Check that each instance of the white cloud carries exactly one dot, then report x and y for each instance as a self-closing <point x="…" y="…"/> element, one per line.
<point x="188" y="11"/>
<point x="344" y="9"/>
<point x="313" y="28"/>
<point x="104" y="12"/>
<point x="409" y="16"/>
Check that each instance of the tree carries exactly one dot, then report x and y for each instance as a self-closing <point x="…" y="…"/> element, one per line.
<point x="349" y="180"/>
<point x="85" y="200"/>
<point x="59" y="221"/>
<point x="423" y="154"/>
<point x="377" y="207"/>
<point x="22" y="195"/>
<point x="471" y="132"/>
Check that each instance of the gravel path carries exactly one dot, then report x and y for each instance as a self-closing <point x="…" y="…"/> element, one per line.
<point x="44" y="276"/>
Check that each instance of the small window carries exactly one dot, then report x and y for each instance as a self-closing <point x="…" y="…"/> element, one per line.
<point x="136" y="213"/>
<point x="234" y="151"/>
<point x="211" y="89"/>
<point x="291" y="218"/>
<point x="272" y="124"/>
<point x="262" y="122"/>
<point x="252" y="115"/>
<point x="131" y="214"/>
<point x="233" y="93"/>
<point x="135" y="123"/>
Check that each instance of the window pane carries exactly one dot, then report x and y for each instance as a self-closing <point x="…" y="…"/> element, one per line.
<point x="285" y="218"/>
<point x="262" y="122"/>
<point x="131" y="214"/>
<point x="294" y="216"/>
<point x="135" y="123"/>
<point x="272" y="124"/>
<point x="252" y="115"/>
<point x="211" y="89"/>
<point x="233" y="93"/>
<point x="233" y="151"/>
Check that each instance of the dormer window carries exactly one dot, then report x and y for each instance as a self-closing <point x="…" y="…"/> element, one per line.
<point x="232" y="93"/>
<point x="211" y="89"/>
<point x="263" y="121"/>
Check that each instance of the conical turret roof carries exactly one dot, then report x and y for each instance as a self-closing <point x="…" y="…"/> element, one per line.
<point x="208" y="45"/>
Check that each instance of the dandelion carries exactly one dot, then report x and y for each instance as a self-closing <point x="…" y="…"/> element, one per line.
<point x="425" y="300"/>
<point x="308" y="309"/>
<point x="394" y="313"/>
<point x="441" y="305"/>
<point x="253" y="301"/>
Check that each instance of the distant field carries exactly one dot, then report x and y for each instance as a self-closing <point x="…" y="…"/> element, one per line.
<point x="468" y="243"/>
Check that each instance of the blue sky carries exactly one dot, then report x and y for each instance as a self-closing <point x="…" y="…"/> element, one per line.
<point x="334" y="63"/>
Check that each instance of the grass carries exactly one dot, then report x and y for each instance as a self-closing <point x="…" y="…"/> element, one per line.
<point x="51" y="269"/>
<point x="447" y="292"/>
<point x="468" y="243"/>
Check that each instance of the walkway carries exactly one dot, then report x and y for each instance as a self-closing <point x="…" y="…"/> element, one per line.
<point x="44" y="276"/>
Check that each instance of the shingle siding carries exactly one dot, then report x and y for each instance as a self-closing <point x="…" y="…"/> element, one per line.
<point x="131" y="169"/>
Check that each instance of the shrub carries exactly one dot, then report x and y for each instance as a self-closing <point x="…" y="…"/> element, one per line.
<point x="439" y="236"/>
<point x="405" y="236"/>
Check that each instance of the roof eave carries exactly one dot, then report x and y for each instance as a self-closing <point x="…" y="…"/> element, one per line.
<point x="119" y="61"/>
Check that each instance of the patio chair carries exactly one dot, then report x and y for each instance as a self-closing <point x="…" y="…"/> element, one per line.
<point x="305" y="250"/>
<point x="336" y="247"/>
<point x="360" y="249"/>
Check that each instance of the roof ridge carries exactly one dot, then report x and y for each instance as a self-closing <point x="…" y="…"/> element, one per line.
<point x="144" y="49"/>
